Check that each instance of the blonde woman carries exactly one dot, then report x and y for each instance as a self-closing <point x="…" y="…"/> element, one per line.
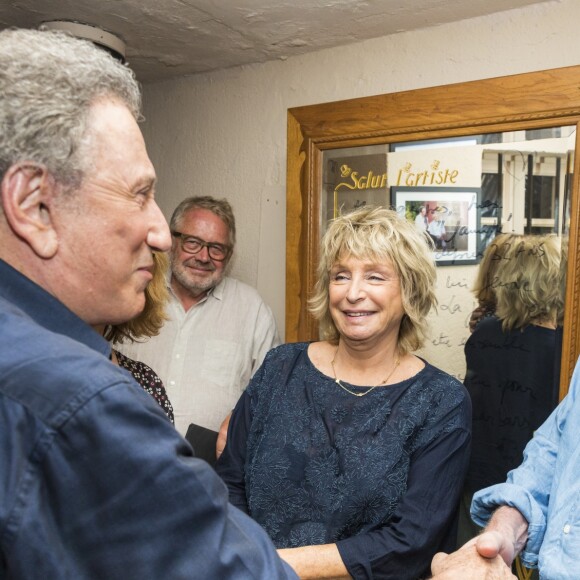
<point x="513" y="359"/>
<point x="351" y="451"/>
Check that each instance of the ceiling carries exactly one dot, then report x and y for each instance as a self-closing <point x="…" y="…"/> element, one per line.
<point x="170" y="38"/>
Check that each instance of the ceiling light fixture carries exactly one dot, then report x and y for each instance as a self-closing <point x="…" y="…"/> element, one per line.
<point x="107" y="40"/>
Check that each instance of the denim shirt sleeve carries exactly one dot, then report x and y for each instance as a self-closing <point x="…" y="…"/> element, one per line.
<point x="530" y="487"/>
<point x="115" y="492"/>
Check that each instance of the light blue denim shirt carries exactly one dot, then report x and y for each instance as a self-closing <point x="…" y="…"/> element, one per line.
<point x="545" y="488"/>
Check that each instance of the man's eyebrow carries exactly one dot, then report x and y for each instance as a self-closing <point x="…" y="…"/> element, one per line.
<point x="146" y="182"/>
<point x="191" y="236"/>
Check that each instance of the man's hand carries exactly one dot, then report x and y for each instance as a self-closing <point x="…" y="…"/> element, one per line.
<point x="492" y="544"/>
<point x="489" y="555"/>
<point x="469" y="564"/>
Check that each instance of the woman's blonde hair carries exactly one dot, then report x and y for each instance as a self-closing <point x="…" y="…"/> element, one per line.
<point x="151" y="319"/>
<point x="483" y="287"/>
<point x="379" y="234"/>
<point x="564" y="244"/>
<point x="528" y="284"/>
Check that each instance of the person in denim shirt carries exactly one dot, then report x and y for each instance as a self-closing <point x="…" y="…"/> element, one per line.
<point x="95" y="482"/>
<point x="535" y="513"/>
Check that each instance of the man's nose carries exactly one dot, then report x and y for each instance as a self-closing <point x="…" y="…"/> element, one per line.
<point x="203" y="254"/>
<point x="158" y="237"/>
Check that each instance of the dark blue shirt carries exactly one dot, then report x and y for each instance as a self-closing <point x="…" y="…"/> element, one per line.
<point x="513" y="379"/>
<point x="378" y="475"/>
<point x="94" y="480"/>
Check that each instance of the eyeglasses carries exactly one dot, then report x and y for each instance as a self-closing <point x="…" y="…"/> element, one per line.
<point x="192" y="245"/>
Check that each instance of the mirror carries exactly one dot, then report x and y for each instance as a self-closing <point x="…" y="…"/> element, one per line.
<point x="500" y="153"/>
<point x="473" y="189"/>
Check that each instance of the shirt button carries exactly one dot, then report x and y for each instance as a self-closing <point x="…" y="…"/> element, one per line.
<point x="177" y="355"/>
<point x="171" y="382"/>
<point x="567" y="529"/>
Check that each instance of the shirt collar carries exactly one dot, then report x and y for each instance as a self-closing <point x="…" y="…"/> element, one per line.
<point x="218" y="291"/>
<point x="46" y="310"/>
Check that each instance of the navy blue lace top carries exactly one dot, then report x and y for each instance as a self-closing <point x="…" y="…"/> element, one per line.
<point x="378" y="475"/>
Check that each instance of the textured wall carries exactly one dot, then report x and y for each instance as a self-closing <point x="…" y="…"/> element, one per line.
<point x="224" y="133"/>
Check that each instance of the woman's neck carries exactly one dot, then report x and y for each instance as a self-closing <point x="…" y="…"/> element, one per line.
<point x="365" y="366"/>
<point x="365" y="357"/>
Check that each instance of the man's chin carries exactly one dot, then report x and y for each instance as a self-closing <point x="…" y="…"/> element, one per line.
<point x="198" y="286"/>
<point x="134" y="308"/>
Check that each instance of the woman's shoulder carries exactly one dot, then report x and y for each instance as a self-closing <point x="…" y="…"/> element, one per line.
<point x="445" y="402"/>
<point x="443" y="385"/>
<point x="286" y="351"/>
<point x="432" y="372"/>
<point x="279" y="359"/>
<point x="123" y="360"/>
<point x="489" y="327"/>
<point x="132" y="364"/>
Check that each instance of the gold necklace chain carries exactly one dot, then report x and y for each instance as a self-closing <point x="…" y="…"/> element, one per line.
<point x="338" y="382"/>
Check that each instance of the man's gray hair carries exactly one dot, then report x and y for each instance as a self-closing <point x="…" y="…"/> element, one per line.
<point x="48" y="82"/>
<point x="220" y="207"/>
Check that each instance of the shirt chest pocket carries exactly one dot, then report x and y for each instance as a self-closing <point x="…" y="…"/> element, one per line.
<point x="221" y="364"/>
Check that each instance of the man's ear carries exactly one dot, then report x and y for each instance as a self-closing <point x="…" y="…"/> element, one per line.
<point x="28" y="191"/>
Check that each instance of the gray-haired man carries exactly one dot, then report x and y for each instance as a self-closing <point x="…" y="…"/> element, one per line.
<point x="94" y="480"/>
<point x="219" y="329"/>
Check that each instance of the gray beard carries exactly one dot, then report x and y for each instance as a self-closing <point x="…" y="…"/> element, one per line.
<point x="195" y="288"/>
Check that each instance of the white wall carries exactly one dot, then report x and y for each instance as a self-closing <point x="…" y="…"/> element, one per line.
<point x="224" y="133"/>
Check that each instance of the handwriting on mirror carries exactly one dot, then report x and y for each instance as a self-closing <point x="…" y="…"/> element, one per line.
<point x="456" y="306"/>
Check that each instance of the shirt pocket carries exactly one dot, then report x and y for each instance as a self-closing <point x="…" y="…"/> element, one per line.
<point x="221" y="364"/>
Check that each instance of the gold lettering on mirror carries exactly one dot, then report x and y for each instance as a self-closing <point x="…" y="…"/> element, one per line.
<point x="369" y="181"/>
<point x="513" y="106"/>
<point x="433" y="175"/>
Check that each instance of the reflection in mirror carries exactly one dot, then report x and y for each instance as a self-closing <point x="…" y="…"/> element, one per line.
<point x="512" y="356"/>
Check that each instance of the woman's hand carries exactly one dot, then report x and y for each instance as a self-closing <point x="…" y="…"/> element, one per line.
<point x="313" y="562"/>
<point x="476" y="316"/>
<point x="468" y="564"/>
